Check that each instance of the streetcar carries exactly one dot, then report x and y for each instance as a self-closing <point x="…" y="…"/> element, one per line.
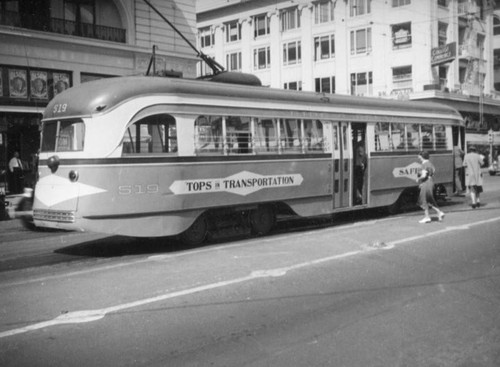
<point x="153" y="157"/>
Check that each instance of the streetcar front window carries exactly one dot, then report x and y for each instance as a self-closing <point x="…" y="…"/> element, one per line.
<point x="63" y="136"/>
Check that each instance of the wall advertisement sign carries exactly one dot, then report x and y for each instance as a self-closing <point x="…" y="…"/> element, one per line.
<point x="443" y="54"/>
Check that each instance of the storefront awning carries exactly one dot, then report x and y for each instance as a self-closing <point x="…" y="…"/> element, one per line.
<point x="21" y="109"/>
<point x="472" y="107"/>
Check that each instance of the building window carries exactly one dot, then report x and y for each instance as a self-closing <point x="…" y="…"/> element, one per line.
<point x="206" y="37"/>
<point x="79" y="11"/>
<point x="293" y="85"/>
<point x="292" y="53"/>
<point x="359" y="7"/>
<point x="233" y="31"/>
<point x="362" y="84"/>
<point x="324" y="47"/>
<point x="233" y="61"/>
<point x="443" y="75"/>
<point x="401" y="35"/>
<point x="323" y="12"/>
<point x="443" y="3"/>
<point x="325" y="85"/>
<point x="289" y="19"/>
<point x="361" y="41"/>
<point x="262" y="58"/>
<point x="402" y="77"/>
<point x="442" y="33"/>
<point x="396" y="3"/>
<point x="496" y="25"/>
<point x="261" y="25"/>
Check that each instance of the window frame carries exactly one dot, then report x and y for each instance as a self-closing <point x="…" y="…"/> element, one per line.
<point x="321" y="82"/>
<point x="257" y="52"/>
<point x="257" y="21"/>
<point x="58" y="137"/>
<point x="320" y="42"/>
<point x="322" y="15"/>
<point x="233" y="58"/>
<point x="231" y="26"/>
<point x="288" y="50"/>
<point x="359" y="8"/>
<point x="137" y="146"/>
<point x="204" y="34"/>
<point x="356" y="82"/>
<point x="289" y="19"/>
<point x="401" y="35"/>
<point x="398" y="3"/>
<point x="402" y="79"/>
<point x="367" y="47"/>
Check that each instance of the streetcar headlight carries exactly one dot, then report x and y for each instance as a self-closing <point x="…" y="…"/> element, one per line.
<point x="53" y="163"/>
<point x="73" y="176"/>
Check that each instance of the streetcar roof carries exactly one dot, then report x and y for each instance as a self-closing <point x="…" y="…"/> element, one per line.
<point x="103" y="95"/>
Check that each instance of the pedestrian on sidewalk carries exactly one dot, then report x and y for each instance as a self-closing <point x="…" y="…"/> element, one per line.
<point x="426" y="184"/>
<point x="473" y="176"/>
<point x="16" y="174"/>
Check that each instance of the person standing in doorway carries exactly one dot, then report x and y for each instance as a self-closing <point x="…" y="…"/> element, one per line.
<point x="473" y="176"/>
<point x="16" y="174"/>
<point x="360" y="163"/>
<point x="458" y="156"/>
<point x="426" y="184"/>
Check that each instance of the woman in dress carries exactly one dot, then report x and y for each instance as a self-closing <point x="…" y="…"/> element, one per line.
<point x="426" y="184"/>
<point x="473" y="176"/>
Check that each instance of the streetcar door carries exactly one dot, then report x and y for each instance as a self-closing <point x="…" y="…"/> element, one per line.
<point x="341" y="164"/>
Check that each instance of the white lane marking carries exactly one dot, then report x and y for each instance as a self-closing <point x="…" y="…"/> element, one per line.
<point x="94" y="315"/>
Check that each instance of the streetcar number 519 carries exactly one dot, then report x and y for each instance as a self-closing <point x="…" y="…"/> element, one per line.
<point x="60" y="108"/>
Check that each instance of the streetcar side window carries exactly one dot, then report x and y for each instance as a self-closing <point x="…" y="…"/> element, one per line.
<point x="427" y="137"/>
<point x="63" y="136"/>
<point x="266" y="136"/>
<point x="397" y="136"/>
<point x="409" y="137"/>
<point x="230" y="135"/>
<point x="382" y="136"/>
<point x="313" y="136"/>
<point x="238" y="136"/>
<point x="290" y="135"/>
<point x="208" y="135"/>
<point x="156" y="134"/>
<point x="440" y="137"/>
<point x="413" y="136"/>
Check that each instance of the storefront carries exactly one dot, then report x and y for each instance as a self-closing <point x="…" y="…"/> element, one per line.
<point x="24" y="94"/>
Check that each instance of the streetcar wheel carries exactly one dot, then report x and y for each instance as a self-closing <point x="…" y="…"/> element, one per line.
<point x="262" y="219"/>
<point x="197" y="233"/>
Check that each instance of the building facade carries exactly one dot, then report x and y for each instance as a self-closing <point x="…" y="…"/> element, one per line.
<point x="441" y="50"/>
<point x="47" y="46"/>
